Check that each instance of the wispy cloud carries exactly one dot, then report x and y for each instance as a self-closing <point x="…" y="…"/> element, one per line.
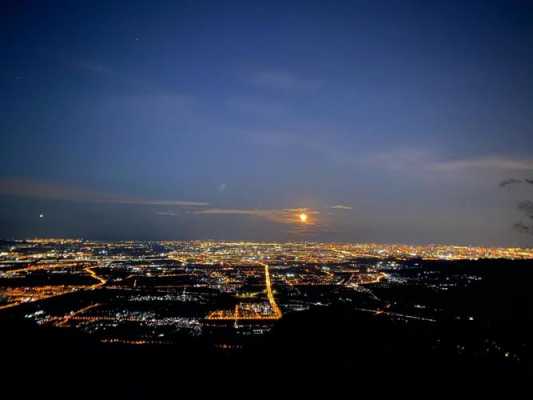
<point x="290" y="217"/>
<point x="397" y="160"/>
<point x="341" y="207"/>
<point x="402" y="161"/>
<point x="283" y="215"/>
<point x="51" y="191"/>
<point x="167" y="213"/>
<point x="144" y="202"/>
<point x="284" y="80"/>
<point x="419" y="160"/>
<point x="485" y="163"/>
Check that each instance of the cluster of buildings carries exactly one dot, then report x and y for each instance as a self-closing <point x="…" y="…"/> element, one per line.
<point x="152" y="292"/>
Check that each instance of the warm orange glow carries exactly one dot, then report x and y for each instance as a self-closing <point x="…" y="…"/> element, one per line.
<point x="303" y="218"/>
<point x="241" y="313"/>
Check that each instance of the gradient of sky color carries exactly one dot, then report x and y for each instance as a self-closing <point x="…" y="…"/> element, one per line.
<point x="389" y="121"/>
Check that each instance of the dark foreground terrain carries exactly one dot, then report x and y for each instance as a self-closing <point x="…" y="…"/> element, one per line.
<point x="335" y="348"/>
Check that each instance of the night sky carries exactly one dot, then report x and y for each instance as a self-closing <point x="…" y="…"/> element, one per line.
<point x="392" y="121"/>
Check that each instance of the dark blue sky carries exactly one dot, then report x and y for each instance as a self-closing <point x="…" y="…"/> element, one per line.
<point x="199" y="119"/>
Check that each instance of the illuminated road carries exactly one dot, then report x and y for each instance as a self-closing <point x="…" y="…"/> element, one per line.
<point x="41" y="293"/>
<point x="395" y="314"/>
<point x="68" y="317"/>
<point x="38" y="297"/>
<point x="101" y="281"/>
<point x="270" y="295"/>
<point x="237" y="316"/>
<point x="378" y="278"/>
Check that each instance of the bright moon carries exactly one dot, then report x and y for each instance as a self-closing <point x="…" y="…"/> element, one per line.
<point x="303" y="217"/>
